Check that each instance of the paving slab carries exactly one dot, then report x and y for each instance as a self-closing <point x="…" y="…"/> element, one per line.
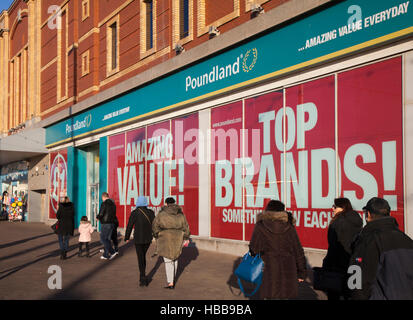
<point x="28" y="250"/>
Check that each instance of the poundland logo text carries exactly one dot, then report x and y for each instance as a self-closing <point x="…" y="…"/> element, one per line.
<point x="215" y="74"/>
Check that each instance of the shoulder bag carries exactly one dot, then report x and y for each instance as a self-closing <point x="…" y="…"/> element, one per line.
<point x="145" y="215"/>
<point x="55" y="226"/>
<point x="250" y="270"/>
<point x="328" y="281"/>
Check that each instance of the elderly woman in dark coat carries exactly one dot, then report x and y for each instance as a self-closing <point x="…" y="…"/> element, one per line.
<point x="276" y="239"/>
<point x="66" y="225"/>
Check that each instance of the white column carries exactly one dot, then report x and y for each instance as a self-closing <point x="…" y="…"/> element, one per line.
<point x="408" y="127"/>
<point x="204" y="173"/>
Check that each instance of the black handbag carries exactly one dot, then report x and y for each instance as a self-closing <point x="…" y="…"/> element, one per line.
<point x="55" y="227"/>
<point x="328" y="281"/>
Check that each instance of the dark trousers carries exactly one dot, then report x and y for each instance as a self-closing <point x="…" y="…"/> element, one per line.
<point x="141" y="249"/>
<point x="106" y="237"/>
<point x="81" y="246"/>
<point x="64" y="242"/>
<point x="115" y="238"/>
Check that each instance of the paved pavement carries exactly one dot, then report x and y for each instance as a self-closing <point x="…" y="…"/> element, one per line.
<point x="27" y="250"/>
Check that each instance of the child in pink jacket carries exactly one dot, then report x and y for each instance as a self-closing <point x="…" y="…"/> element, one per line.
<point x="85" y="230"/>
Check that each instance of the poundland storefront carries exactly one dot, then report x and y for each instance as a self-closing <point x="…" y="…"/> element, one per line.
<point x="317" y="109"/>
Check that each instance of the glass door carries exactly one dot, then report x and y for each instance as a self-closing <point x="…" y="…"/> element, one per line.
<point x="93" y="205"/>
<point x="92" y="160"/>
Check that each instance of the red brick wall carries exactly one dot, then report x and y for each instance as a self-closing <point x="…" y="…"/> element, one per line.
<point x="129" y="50"/>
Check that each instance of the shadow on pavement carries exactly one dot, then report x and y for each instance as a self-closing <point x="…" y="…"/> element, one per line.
<point x="69" y="291"/>
<point x="54" y="253"/>
<point x="189" y="254"/>
<point x="15" y="243"/>
<point x="56" y="242"/>
<point x="155" y="268"/>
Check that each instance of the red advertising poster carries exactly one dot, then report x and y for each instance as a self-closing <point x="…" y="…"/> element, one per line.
<point x="116" y="175"/>
<point x="310" y="158"/>
<point x="58" y="180"/>
<point x="159" y="148"/>
<point x="135" y="168"/>
<point x="370" y="136"/>
<point x="263" y="155"/>
<point x="226" y="151"/>
<point x="184" y="168"/>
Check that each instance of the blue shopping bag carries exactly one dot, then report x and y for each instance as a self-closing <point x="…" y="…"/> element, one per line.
<point x="251" y="270"/>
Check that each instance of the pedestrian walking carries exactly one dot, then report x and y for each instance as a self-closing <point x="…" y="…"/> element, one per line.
<point x="66" y="225"/>
<point x="276" y="240"/>
<point x="171" y="230"/>
<point x="85" y="232"/>
<point x="114" y="237"/>
<point x="385" y="256"/>
<point x="141" y="218"/>
<point x="345" y="225"/>
<point x="107" y="218"/>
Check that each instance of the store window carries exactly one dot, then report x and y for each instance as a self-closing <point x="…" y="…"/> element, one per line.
<point x="157" y="161"/>
<point x="370" y="134"/>
<point x="336" y="136"/>
<point x="340" y="135"/>
<point x="58" y="180"/>
<point x="14" y="191"/>
<point x="226" y="188"/>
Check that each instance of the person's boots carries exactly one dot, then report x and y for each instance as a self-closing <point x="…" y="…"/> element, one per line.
<point x="87" y="253"/>
<point x="62" y="254"/>
<point x="79" y="253"/>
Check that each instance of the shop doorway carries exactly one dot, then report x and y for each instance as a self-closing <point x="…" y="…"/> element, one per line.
<point x="92" y="183"/>
<point x="93" y="204"/>
<point x="92" y="164"/>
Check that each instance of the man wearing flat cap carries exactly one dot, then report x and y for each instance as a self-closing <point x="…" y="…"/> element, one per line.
<point x="384" y="254"/>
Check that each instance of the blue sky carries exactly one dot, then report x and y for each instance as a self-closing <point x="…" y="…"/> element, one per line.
<point x="5" y="4"/>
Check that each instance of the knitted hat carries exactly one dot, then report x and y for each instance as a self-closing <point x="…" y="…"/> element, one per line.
<point x="142" y="201"/>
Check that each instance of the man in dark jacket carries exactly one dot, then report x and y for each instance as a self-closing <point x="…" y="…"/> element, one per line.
<point x="107" y="218"/>
<point x="66" y="226"/>
<point x="385" y="256"/>
<point x="142" y="219"/>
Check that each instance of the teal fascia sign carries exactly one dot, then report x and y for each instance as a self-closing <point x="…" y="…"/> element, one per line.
<point x="346" y="27"/>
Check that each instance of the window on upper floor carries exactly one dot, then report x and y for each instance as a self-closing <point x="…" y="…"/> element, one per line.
<point x="149" y="24"/>
<point x="112" y="34"/>
<point x="183" y="19"/>
<point x="148" y="27"/>
<point x="85" y="63"/>
<point x="85" y="9"/>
